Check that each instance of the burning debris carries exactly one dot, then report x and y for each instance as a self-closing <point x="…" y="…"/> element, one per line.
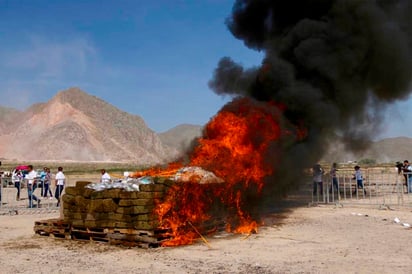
<point x="330" y="68"/>
<point x="196" y="174"/>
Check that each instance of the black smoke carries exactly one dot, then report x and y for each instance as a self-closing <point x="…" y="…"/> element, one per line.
<point x="335" y="64"/>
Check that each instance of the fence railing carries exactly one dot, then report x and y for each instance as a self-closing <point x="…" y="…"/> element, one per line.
<point x="19" y="199"/>
<point x="382" y="187"/>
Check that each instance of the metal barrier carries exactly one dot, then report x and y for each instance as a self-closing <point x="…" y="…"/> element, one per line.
<point x="382" y="187"/>
<point x="12" y="204"/>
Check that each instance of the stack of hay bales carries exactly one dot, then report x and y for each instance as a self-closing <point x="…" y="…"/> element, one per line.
<point x="119" y="216"/>
<point x="113" y="208"/>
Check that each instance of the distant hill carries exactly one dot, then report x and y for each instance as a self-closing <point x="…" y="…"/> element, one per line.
<point x="8" y="118"/>
<point x="76" y="126"/>
<point x="181" y="136"/>
<point x="382" y="151"/>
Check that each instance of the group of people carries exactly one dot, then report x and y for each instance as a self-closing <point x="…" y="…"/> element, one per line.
<point x="318" y="172"/>
<point x="42" y="180"/>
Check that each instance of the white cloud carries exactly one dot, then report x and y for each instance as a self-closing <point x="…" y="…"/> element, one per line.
<point x="51" y="59"/>
<point x="35" y="67"/>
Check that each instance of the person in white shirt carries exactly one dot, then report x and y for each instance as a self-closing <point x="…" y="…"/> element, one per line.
<point x="31" y="186"/>
<point x="60" y="180"/>
<point x="105" y="177"/>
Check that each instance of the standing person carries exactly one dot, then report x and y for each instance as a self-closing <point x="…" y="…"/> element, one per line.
<point x="105" y="177"/>
<point x="49" y="178"/>
<point x="335" y="184"/>
<point x="31" y="186"/>
<point x="60" y="180"/>
<point x="407" y="172"/>
<point x="42" y="179"/>
<point x="317" y="172"/>
<point x="46" y="183"/>
<point x="16" y="178"/>
<point x="359" y="179"/>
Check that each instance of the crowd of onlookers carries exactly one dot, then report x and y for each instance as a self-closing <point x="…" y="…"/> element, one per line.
<point x="404" y="169"/>
<point x="31" y="179"/>
<point x="34" y="179"/>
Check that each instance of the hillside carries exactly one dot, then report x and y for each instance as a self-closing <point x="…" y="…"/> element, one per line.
<point x="8" y="118"/>
<point x="181" y="136"/>
<point x="382" y="151"/>
<point x="76" y="126"/>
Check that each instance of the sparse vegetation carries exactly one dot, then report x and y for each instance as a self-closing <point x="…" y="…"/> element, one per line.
<point x="367" y="161"/>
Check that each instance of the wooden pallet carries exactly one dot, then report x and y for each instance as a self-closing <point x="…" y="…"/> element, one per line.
<point x="89" y="234"/>
<point x="130" y="231"/>
<point x="116" y="236"/>
<point x="56" y="228"/>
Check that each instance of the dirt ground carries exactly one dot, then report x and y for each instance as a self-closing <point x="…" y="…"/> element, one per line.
<point x="319" y="239"/>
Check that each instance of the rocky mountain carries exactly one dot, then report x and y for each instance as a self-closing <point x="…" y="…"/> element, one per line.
<point x="76" y="126"/>
<point x="181" y="136"/>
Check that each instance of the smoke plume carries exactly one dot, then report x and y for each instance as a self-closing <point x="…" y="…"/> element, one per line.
<point x="334" y="64"/>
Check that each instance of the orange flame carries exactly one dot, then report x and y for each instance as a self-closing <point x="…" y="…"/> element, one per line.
<point x="159" y="171"/>
<point x="236" y="146"/>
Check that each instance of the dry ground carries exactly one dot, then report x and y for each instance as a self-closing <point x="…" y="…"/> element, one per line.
<point x="322" y="239"/>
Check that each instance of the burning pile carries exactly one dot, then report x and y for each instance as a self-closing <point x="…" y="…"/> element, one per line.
<point x="330" y="67"/>
<point x="121" y="214"/>
<point x="235" y="145"/>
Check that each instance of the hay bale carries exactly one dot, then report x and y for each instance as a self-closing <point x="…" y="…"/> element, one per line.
<point x="104" y="194"/>
<point x="68" y="199"/>
<point x="135" y="209"/>
<point x="149" y="195"/>
<point x="153" y="187"/>
<point x="81" y="204"/>
<point x="133" y="202"/>
<point x="71" y="190"/>
<point x="87" y="193"/>
<point x="82" y="184"/>
<point x="102" y="205"/>
<point x="128" y="194"/>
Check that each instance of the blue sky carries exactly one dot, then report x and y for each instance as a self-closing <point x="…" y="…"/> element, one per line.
<point x="150" y="58"/>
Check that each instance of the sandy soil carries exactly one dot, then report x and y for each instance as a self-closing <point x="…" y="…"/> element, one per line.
<point x="321" y="239"/>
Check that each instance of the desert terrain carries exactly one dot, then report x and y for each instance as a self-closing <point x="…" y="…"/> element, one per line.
<point x="296" y="238"/>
